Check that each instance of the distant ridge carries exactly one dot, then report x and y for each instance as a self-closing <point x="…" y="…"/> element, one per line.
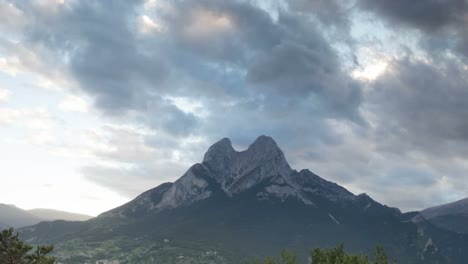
<point x="451" y="216"/>
<point x="51" y="214"/>
<point x="13" y="216"/>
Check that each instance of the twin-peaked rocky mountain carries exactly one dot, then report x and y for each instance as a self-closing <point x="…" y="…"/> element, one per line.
<point x="236" y="205"/>
<point x="226" y="173"/>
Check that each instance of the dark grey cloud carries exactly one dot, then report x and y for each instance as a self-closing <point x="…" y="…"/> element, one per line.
<point x="409" y="176"/>
<point x="331" y="14"/>
<point x="167" y="117"/>
<point x="112" y="63"/>
<point x="285" y="120"/>
<point x="292" y="69"/>
<point x="430" y="15"/>
<point x="232" y="51"/>
<point x="100" y="49"/>
<point x="421" y="106"/>
<point x="417" y="139"/>
<point x="443" y="23"/>
<point x="249" y="30"/>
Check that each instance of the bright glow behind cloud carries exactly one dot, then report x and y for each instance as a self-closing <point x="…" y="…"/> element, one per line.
<point x="371" y="71"/>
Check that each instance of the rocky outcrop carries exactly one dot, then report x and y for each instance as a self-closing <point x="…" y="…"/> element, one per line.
<point x="230" y="172"/>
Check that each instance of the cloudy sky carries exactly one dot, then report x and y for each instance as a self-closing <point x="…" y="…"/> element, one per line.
<point x="102" y="100"/>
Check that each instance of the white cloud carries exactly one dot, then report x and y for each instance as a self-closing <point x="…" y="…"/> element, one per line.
<point x="4" y="95"/>
<point x="72" y="103"/>
<point x="47" y="84"/>
<point x="39" y="119"/>
<point x="16" y="58"/>
<point x="11" y="66"/>
<point x="9" y="115"/>
<point x="36" y="121"/>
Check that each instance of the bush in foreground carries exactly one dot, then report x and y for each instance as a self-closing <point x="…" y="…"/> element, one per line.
<point x="15" y="251"/>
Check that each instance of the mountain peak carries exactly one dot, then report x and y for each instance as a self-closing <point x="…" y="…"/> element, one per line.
<point x="263" y="149"/>
<point x="219" y="149"/>
<point x="263" y="143"/>
<point x="232" y="172"/>
<point x="224" y="143"/>
<point x="236" y="171"/>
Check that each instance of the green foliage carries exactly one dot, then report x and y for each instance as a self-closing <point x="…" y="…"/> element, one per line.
<point x="287" y="257"/>
<point x="15" y="251"/>
<point x="380" y="255"/>
<point x="336" y="255"/>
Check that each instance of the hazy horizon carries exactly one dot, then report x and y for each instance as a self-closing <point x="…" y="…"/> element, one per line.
<point x="101" y="102"/>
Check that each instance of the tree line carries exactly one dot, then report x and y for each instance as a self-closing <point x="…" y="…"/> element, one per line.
<point x="336" y="255"/>
<point x="14" y="251"/>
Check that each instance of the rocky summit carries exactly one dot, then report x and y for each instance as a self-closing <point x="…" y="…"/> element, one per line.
<point x="232" y="173"/>
<point x="244" y="204"/>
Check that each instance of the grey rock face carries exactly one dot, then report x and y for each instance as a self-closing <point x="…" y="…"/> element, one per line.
<point x="238" y="171"/>
<point x="311" y="183"/>
<point x="234" y="172"/>
<point x="189" y="188"/>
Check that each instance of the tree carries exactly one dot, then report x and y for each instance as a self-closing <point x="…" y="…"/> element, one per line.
<point x="380" y="255"/>
<point x="336" y="255"/>
<point x="15" y="251"/>
<point x="287" y="257"/>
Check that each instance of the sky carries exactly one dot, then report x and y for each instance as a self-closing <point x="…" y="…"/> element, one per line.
<point x="102" y="100"/>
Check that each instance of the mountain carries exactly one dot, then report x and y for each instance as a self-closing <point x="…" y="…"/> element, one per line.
<point x="12" y="216"/>
<point x="51" y="214"/>
<point x="452" y="216"/>
<point x="244" y="204"/>
<point x="229" y="173"/>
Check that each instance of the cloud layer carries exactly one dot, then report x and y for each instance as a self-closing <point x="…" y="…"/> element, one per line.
<point x="178" y="75"/>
